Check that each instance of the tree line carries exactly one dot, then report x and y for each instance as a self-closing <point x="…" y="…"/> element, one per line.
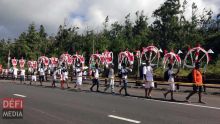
<point x="169" y="30"/>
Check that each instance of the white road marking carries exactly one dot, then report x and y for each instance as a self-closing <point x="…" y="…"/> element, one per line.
<point x="19" y="95"/>
<point x="186" y="104"/>
<point x="124" y="119"/>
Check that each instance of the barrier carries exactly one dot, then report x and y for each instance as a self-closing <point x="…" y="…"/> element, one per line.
<point x="160" y="82"/>
<point x="117" y="79"/>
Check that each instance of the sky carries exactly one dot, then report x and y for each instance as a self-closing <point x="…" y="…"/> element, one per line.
<point x="16" y="15"/>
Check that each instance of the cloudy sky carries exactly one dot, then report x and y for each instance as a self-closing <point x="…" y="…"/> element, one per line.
<point x="16" y="15"/>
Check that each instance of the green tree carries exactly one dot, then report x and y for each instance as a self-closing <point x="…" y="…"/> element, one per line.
<point x="140" y="30"/>
<point x="167" y="23"/>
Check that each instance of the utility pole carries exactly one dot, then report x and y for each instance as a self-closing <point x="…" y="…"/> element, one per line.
<point x="9" y="58"/>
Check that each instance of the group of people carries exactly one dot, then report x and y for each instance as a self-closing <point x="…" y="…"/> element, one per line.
<point x="95" y="74"/>
<point x="197" y="80"/>
<point x="41" y="71"/>
<point x="123" y="75"/>
<point x="147" y="72"/>
<point x="21" y="71"/>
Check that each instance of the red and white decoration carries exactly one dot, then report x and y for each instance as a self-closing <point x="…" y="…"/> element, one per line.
<point x="78" y="59"/>
<point x="196" y="54"/>
<point x="43" y="59"/>
<point x="66" y="58"/>
<point x="151" y="54"/>
<point x="22" y="62"/>
<point x="171" y="58"/>
<point x="54" y="61"/>
<point x="32" y="64"/>
<point x="96" y="58"/>
<point x="126" y="57"/>
<point x="108" y="57"/>
<point x="14" y="62"/>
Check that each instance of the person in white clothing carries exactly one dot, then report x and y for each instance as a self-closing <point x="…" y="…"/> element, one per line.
<point x="95" y="79"/>
<point x="111" y="78"/>
<point x="64" y="76"/>
<point x="33" y="76"/>
<point x="171" y="75"/>
<point x="79" y="73"/>
<point x="15" y="73"/>
<point x="124" y="72"/>
<point x="22" y="75"/>
<point x="84" y="74"/>
<point x="144" y="70"/>
<point x="41" y="74"/>
<point x="149" y="84"/>
<point x="55" y="73"/>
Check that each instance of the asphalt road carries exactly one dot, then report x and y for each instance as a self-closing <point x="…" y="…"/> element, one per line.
<point x="45" y="105"/>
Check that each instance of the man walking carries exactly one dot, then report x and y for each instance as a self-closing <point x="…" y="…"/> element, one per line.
<point x="79" y="70"/>
<point x="198" y="83"/>
<point x="95" y="79"/>
<point x="55" y="73"/>
<point x="171" y="76"/>
<point x="33" y="76"/>
<point x="22" y="75"/>
<point x="148" y="75"/>
<point x="110" y="79"/>
<point x="124" y="72"/>
<point x="41" y="74"/>
<point x="15" y="73"/>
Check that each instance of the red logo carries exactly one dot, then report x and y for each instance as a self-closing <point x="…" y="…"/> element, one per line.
<point x="12" y="103"/>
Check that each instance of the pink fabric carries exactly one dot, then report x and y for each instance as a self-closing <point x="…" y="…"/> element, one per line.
<point x="21" y="62"/>
<point x="54" y="60"/>
<point x="14" y="62"/>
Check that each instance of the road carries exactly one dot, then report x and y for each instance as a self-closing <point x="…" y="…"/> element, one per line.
<point x="44" y="105"/>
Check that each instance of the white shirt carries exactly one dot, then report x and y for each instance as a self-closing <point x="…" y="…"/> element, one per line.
<point x="96" y="73"/>
<point x="78" y="76"/>
<point x="66" y="74"/>
<point x="124" y="76"/>
<point x="22" y="72"/>
<point x="144" y="71"/>
<point x="84" y="73"/>
<point x="6" y="71"/>
<point x="55" y="74"/>
<point x="78" y="72"/>
<point x="48" y="71"/>
<point x="171" y="77"/>
<point x="149" y="71"/>
<point x="111" y="73"/>
<point x="41" y="70"/>
<point x="30" y="69"/>
<point x="15" y="71"/>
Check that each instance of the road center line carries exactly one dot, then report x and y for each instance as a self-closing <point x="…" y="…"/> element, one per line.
<point x="19" y="95"/>
<point x="124" y="119"/>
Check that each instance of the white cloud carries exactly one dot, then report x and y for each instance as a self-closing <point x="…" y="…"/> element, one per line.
<point x="16" y="15"/>
<point x="201" y="4"/>
<point x="95" y="11"/>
